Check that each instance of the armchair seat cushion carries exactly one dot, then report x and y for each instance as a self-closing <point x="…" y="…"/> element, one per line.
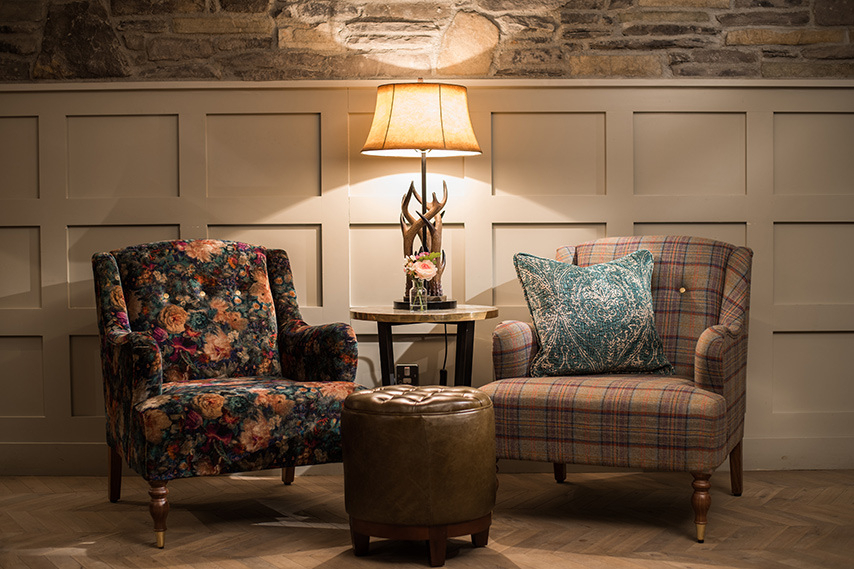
<point x="632" y="421"/>
<point x="215" y="426"/>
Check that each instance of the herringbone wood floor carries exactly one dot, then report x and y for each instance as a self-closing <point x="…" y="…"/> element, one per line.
<point x="802" y="519"/>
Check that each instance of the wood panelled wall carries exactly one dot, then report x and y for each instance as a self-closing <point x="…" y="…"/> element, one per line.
<point x="86" y="168"/>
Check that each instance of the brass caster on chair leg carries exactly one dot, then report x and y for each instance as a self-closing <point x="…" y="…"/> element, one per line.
<point x="701" y="533"/>
<point x="161" y="539"/>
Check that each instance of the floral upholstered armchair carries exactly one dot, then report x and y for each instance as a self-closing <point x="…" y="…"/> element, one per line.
<point x="209" y="368"/>
<point x="637" y="358"/>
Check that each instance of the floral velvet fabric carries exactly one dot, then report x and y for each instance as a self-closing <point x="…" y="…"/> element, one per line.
<point x="208" y="366"/>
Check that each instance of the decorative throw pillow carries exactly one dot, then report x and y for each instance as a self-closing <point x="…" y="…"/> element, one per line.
<point x="595" y="319"/>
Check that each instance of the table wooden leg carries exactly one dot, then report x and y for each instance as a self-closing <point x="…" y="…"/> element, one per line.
<point x="464" y="353"/>
<point x="386" y="353"/>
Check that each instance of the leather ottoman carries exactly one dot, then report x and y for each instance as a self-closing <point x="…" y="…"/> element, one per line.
<point x="419" y="464"/>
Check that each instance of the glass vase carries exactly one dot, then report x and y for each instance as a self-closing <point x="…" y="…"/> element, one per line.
<point x="418" y="296"/>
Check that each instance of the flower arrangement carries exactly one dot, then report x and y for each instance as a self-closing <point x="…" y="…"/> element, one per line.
<point x="421" y="266"/>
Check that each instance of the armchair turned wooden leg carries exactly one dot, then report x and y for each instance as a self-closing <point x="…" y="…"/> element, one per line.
<point x="114" y="474"/>
<point x="159" y="508"/>
<point x="288" y="474"/>
<point x="736" y="470"/>
<point x="701" y="501"/>
<point x="560" y="472"/>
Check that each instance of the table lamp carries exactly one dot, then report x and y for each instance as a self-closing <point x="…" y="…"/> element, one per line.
<point x="417" y="120"/>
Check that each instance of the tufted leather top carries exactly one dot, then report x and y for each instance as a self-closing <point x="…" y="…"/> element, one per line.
<point x="417" y="400"/>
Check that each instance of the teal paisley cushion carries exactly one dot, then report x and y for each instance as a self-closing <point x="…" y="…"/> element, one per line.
<point x="595" y="319"/>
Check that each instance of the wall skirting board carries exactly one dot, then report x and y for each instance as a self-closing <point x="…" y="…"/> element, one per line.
<point x="94" y="166"/>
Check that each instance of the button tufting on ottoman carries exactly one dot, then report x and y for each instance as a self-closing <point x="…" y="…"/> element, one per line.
<point x="419" y="464"/>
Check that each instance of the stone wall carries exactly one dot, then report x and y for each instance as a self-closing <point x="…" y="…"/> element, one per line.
<point x="50" y="40"/>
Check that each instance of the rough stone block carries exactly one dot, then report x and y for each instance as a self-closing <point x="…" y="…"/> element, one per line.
<point x="579" y="34"/>
<point x="232" y="43"/>
<point x="665" y="16"/>
<point x="739" y="4"/>
<point x="628" y="66"/>
<point x="667" y="30"/>
<point x="527" y="25"/>
<point x="380" y="42"/>
<point x="256" y="6"/>
<point x="765" y="18"/>
<point x="531" y="58"/>
<point x="651" y="44"/>
<point x="408" y="11"/>
<point x="148" y="7"/>
<point x="684" y="3"/>
<point x="701" y="70"/>
<point x="778" y="69"/>
<point x="222" y="25"/>
<point x="580" y="4"/>
<point x="22" y="10"/>
<point x="14" y="68"/>
<point x="723" y="56"/>
<point x="134" y="41"/>
<point x="178" y="49"/>
<point x="18" y="44"/>
<point x="583" y="18"/>
<point x="780" y="52"/>
<point x="834" y="12"/>
<point x="79" y="43"/>
<point x="182" y="71"/>
<point x="760" y="36"/>
<point x="148" y="26"/>
<point x="830" y="52"/>
<point x="468" y="45"/>
<point x="318" y="38"/>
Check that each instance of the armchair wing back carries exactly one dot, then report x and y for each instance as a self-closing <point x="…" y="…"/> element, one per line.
<point x="696" y="284"/>
<point x="689" y="421"/>
<point x="209" y="368"/>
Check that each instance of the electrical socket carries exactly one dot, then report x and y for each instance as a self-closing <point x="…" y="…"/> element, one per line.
<point x="406" y="374"/>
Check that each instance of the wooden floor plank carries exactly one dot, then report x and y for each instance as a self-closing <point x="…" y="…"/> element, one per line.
<point x="615" y="520"/>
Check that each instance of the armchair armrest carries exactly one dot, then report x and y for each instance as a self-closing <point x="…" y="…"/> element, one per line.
<point x="720" y="364"/>
<point x="328" y="352"/>
<point x="133" y="368"/>
<point x="133" y="372"/>
<point x="514" y="344"/>
<point x="720" y="358"/>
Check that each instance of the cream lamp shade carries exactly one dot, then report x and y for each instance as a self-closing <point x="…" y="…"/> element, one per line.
<point x="413" y="118"/>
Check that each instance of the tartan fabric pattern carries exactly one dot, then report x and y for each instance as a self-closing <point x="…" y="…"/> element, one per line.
<point x="637" y="421"/>
<point x="697" y="265"/>
<point x="701" y="296"/>
<point x="513" y="349"/>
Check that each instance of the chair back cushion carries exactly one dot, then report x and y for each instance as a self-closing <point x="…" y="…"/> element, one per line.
<point x="687" y="285"/>
<point x="206" y="302"/>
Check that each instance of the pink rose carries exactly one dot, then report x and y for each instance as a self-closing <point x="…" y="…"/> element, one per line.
<point x="425" y="270"/>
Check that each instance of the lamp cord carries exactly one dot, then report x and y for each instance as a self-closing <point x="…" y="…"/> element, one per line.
<point x="443" y="373"/>
<point x="445" y="360"/>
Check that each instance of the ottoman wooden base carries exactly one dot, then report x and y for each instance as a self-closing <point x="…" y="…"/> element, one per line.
<point x="361" y="532"/>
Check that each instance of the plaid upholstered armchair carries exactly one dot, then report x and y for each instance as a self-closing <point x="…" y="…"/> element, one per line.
<point x="209" y="368"/>
<point x="670" y="398"/>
